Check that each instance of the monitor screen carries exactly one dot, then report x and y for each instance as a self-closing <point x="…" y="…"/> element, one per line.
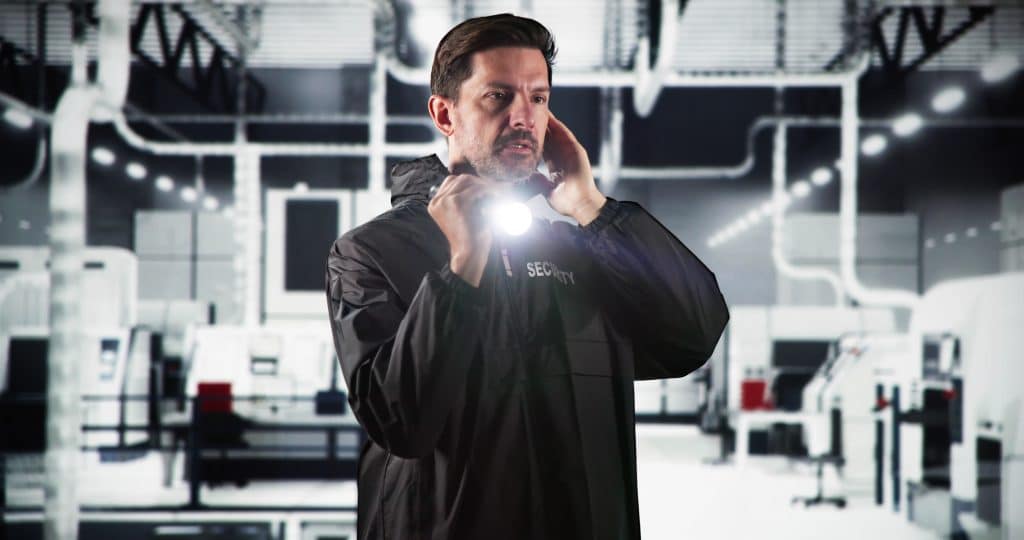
<point x="311" y="225"/>
<point x="799" y="354"/>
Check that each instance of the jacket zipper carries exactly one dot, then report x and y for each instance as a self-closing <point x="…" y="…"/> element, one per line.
<point x="520" y="335"/>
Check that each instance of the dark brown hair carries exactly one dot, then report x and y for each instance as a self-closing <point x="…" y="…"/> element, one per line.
<point x="452" y="58"/>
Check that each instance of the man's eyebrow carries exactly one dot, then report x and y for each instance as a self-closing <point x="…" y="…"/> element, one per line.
<point x="505" y="86"/>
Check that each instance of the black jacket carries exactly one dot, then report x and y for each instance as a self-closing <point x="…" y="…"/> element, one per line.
<point x="506" y="411"/>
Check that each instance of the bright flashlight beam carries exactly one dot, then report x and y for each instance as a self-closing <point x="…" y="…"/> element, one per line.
<point x="511" y="217"/>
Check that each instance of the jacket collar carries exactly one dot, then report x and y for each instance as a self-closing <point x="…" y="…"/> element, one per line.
<point x="412" y="180"/>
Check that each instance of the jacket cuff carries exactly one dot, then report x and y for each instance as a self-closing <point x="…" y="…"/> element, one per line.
<point x="463" y="292"/>
<point x="609" y="213"/>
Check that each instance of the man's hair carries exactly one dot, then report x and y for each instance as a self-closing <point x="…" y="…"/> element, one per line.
<point x="452" y="59"/>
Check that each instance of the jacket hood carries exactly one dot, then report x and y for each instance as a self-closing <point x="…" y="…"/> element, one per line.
<point x="413" y="179"/>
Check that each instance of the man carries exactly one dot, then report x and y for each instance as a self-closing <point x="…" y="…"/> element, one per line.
<point x="494" y="374"/>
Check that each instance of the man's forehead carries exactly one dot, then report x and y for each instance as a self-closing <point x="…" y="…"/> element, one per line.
<point x="509" y="66"/>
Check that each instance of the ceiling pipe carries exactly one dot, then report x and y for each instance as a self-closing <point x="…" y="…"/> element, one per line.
<point x="265" y="149"/>
<point x="782" y="264"/>
<point x="848" y="213"/>
<point x="730" y="172"/>
<point x="80" y="102"/>
<point x="649" y="81"/>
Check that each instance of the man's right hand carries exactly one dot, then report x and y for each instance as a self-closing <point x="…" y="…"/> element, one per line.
<point x="456" y="210"/>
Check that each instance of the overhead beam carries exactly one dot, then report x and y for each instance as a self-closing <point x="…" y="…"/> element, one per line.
<point x="214" y="82"/>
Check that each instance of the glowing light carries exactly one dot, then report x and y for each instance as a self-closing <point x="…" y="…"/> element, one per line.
<point x="135" y="170"/>
<point x="188" y="194"/>
<point x="821" y="176"/>
<point x="873" y="145"/>
<point x="801" y="189"/>
<point x="999" y="67"/>
<point x="301" y="187"/>
<point x="164" y="183"/>
<point x="948" y="99"/>
<point x="996" y="226"/>
<point x="929" y="243"/>
<point x="754" y="216"/>
<point x="210" y="203"/>
<point x="972" y="232"/>
<point x="950" y="238"/>
<point x="103" y="156"/>
<point x="767" y="209"/>
<point x="18" y="118"/>
<point x="512" y="217"/>
<point x="907" y="125"/>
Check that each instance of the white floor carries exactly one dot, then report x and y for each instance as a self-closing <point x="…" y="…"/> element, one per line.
<point x="681" y="496"/>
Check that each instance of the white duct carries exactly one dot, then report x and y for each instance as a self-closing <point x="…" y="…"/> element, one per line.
<point x="611" y="140"/>
<point x="783" y="265"/>
<point x="648" y="81"/>
<point x="67" y="240"/>
<point x="848" y="212"/>
<point x="264" y="149"/>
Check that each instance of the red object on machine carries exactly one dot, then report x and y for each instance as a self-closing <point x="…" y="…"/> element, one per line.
<point x="214" y="397"/>
<point x="752" y="393"/>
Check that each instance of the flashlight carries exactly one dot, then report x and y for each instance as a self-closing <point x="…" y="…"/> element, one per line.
<point x="509" y="214"/>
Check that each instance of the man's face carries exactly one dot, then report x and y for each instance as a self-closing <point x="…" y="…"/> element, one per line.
<point x="501" y="115"/>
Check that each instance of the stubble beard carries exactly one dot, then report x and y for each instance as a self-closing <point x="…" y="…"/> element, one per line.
<point x="488" y="163"/>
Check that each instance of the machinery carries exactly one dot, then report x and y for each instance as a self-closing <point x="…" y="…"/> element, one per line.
<point x="954" y="458"/>
<point x="268" y="399"/>
<point x="117" y="355"/>
<point x="770" y="355"/>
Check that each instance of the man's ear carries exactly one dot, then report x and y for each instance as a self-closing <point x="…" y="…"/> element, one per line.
<point x="440" y="109"/>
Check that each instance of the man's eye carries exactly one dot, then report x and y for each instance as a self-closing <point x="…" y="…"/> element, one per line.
<point x="540" y="99"/>
<point x="497" y="95"/>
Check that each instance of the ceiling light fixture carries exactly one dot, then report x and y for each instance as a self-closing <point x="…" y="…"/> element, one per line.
<point x="17" y="117"/>
<point x="103" y="156"/>
<point x="801" y="189"/>
<point x="907" y="125"/>
<point x="821" y="176"/>
<point x="135" y="170"/>
<point x="188" y="194"/>
<point x="873" y="145"/>
<point x="948" y="99"/>
<point x="164" y="183"/>
<point x="1000" y="67"/>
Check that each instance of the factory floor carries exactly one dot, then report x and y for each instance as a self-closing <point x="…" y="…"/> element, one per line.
<point x="682" y="494"/>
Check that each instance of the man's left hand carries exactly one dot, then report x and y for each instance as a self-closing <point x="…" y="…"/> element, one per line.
<point x="575" y="193"/>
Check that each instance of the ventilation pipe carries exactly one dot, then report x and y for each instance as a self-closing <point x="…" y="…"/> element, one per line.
<point x="783" y="265"/>
<point x="71" y="119"/>
<point x="848" y="213"/>
<point x="649" y="81"/>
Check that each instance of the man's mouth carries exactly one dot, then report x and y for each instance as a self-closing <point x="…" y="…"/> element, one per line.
<point x="519" y="147"/>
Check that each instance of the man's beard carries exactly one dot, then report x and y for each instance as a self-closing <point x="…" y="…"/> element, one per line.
<point x="514" y="169"/>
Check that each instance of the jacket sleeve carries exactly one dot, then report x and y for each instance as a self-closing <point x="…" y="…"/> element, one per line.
<point x="656" y="289"/>
<point x="404" y="366"/>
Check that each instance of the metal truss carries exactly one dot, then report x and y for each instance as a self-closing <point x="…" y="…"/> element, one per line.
<point x="929" y="33"/>
<point x="928" y="30"/>
<point x="214" y="84"/>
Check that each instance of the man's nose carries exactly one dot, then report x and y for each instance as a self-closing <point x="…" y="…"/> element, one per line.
<point x="521" y="113"/>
